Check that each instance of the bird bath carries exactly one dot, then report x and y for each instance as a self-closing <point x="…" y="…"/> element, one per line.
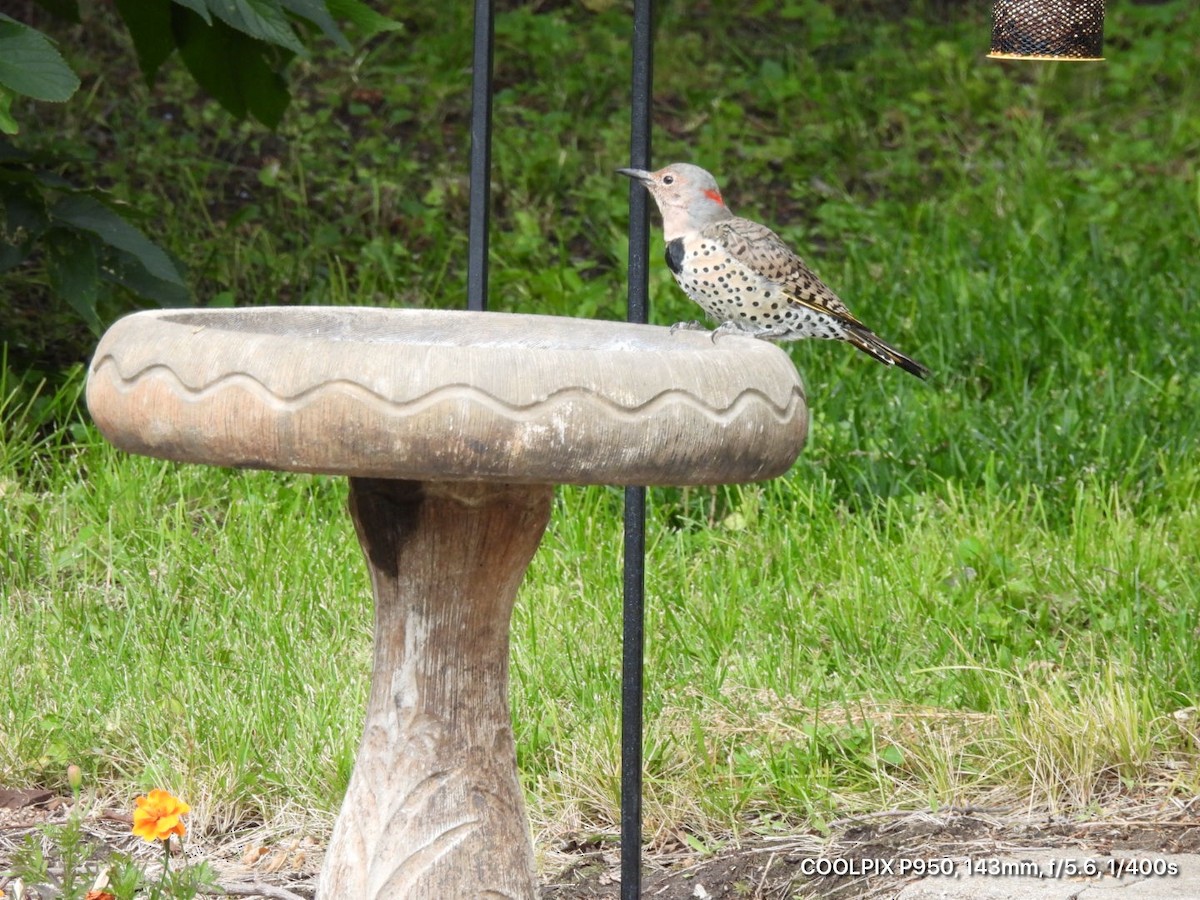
<point x="453" y="428"/>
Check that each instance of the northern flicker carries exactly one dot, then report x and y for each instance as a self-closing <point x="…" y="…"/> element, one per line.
<point x="743" y="275"/>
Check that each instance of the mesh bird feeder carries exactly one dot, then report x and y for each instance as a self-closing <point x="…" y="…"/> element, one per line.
<point x="1048" y="29"/>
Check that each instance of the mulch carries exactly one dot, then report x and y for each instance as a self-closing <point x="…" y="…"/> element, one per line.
<point x="758" y="868"/>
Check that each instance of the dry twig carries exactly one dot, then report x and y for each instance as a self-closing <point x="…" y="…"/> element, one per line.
<point x="255" y="889"/>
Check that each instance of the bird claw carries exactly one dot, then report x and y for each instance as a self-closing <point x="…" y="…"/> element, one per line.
<point x="730" y="327"/>
<point x="771" y="334"/>
<point x="686" y="326"/>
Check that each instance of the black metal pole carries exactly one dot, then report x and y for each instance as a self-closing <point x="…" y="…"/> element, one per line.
<point x="631" y="694"/>
<point x="639" y="158"/>
<point x="632" y="683"/>
<point x="481" y="157"/>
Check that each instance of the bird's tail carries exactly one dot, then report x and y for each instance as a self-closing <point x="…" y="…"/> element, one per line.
<point x="873" y="345"/>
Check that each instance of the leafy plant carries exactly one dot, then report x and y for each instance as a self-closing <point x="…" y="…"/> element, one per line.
<point x="30" y="67"/>
<point x="61" y="862"/>
<point x="88" y="245"/>
<point x="237" y="52"/>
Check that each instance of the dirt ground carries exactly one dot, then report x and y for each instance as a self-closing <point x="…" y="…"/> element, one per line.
<point x="758" y="869"/>
<point x="772" y="869"/>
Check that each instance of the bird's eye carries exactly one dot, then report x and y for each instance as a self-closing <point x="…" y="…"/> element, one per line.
<point x="668" y="179"/>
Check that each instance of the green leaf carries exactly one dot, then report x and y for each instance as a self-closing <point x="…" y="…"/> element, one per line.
<point x="129" y="273"/>
<point x="64" y="9"/>
<point x="89" y="214"/>
<point x="262" y="19"/>
<point x="12" y="255"/>
<point x="233" y="68"/>
<point x="366" y="19"/>
<point x="149" y="24"/>
<point x="24" y="218"/>
<point x="696" y="844"/>
<point x="24" y="208"/>
<point x="317" y="13"/>
<point x="51" y="180"/>
<point x="30" y="65"/>
<point x="74" y="272"/>
<point x="199" y="7"/>
<point x="9" y="153"/>
<point x="8" y="125"/>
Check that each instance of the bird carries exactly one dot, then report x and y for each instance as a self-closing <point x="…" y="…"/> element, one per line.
<point x="744" y="276"/>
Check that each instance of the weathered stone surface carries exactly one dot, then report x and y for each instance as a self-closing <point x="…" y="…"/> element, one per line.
<point x="434" y="807"/>
<point x="447" y="395"/>
<point x="453" y="427"/>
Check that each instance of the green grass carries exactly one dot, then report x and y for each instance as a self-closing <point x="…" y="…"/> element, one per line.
<point x="978" y="590"/>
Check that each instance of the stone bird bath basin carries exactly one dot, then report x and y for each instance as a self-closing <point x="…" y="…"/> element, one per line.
<point x="453" y="428"/>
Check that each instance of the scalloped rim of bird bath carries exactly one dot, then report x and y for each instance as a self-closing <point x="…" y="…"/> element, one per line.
<point x="448" y="395"/>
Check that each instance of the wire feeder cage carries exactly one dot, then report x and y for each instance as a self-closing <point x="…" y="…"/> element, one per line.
<point x="1048" y="29"/>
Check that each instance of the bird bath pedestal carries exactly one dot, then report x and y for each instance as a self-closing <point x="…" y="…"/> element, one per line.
<point x="453" y="428"/>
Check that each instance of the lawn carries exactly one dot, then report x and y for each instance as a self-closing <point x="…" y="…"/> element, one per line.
<point x="980" y="590"/>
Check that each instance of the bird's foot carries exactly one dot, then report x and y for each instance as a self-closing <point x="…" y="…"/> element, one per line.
<point x="774" y="333"/>
<point x="686" y="326"/>
<point x="731" y="327"/>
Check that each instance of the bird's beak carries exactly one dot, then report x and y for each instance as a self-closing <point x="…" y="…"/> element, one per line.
<point x="637" y="175"/>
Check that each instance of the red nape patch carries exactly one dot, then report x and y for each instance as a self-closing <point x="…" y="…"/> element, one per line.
<point x="714" y="196"/>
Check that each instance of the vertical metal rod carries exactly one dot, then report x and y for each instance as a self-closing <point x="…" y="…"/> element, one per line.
<point x="639" y="158"/>
<point x="631" y="693"/>
<point x="481" y="157"/>
<point x="633" y="639"/>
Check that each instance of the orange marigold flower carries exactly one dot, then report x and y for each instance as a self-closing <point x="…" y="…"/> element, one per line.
<point x="99" y="895"/>
<point x="157" y="816"/>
